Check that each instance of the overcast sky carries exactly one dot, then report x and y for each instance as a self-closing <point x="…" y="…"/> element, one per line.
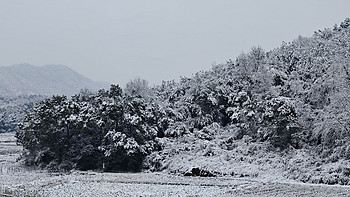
<point x="116" y="41"/>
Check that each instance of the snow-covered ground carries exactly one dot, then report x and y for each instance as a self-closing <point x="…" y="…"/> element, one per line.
<point x="16" y="180"/>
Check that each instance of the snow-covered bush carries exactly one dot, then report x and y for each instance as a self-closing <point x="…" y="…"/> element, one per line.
<point x="107" y="130"/>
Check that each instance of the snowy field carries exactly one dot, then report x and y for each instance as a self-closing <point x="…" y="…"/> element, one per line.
<point x="16" y="180"/>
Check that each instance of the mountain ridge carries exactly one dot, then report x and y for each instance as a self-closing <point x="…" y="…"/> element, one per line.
<point x="48" y="80"/>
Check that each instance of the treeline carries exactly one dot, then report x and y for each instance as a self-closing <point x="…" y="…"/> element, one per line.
<point x="14" y="109"/>
<point x="294" y="96"/>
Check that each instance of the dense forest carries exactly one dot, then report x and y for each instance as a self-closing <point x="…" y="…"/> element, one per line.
<point x="289" y="100"/>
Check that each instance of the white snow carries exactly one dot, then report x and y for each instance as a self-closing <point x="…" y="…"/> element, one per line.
<point x="16" y="180"/>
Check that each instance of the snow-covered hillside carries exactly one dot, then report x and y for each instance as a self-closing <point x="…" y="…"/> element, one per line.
<point x="284" y="112"/>
<point x="25" y="79"/>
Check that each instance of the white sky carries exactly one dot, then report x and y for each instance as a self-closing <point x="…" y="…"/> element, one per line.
<point x="116" y="41"/>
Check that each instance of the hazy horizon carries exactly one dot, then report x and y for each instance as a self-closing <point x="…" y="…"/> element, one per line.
<point x="116" y="41"/>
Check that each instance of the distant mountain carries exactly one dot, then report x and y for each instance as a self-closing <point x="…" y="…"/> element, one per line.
<point x="26" y="79"/>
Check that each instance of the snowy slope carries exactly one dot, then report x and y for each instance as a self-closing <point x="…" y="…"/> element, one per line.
<point x="25" y="79"/>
